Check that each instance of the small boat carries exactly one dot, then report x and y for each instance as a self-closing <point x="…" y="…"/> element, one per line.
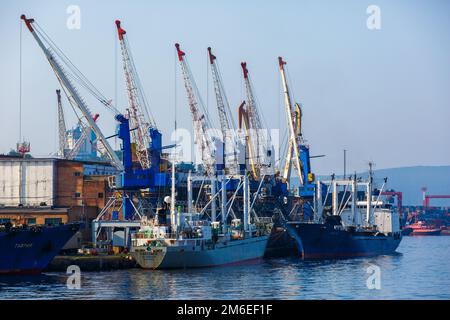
<point x="445" y="231"/>
<point x="421" y="228"/>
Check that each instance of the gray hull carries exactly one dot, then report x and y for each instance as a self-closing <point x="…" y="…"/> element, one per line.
<point x="197" y="256"/>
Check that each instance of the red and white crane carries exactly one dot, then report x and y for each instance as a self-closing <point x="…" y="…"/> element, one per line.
<point x="227" y="124"/>
<point x="52" y="53"/>
<point x="294" y="126"/>
<point x="201" y="122"/>
<point x="138" y="111"/>
<point x="260" y="155"/>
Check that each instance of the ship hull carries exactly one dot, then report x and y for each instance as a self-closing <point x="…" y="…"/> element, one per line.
<point x="29" y="251"/>
<point x="323" y="241"/>
<point x="280" y="244"/>
<point x="197" y="256"/>
<point x="426" y="232"/>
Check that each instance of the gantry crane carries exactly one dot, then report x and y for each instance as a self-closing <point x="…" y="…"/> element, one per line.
<point x="138" y="110"/>
<point x="201" y="122"/>
<point x="51" y="52"/>
<point x="227" y="124"/>
<point x="427" y="197"/>
<point x="62" y="130"/>
<point x="260" y="155"/>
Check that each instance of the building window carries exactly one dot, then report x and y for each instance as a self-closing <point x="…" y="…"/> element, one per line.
<point x="100" y="195"/>
<point x="5" y="220"/>
<point x="77" y="174"/>
<point x="77" y="195"/>
<point x="53" y="221"/>
<point x="31" y="221"/>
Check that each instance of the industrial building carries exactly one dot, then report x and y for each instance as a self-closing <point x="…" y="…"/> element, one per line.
<point x="52" y="190"/>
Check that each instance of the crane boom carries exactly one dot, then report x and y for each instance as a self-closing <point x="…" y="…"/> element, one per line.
<point x="227" y="125"/>
<point x="200" y="122"/>
<point x="62" y="130"/>
<point x="79" y="102"/>
<point x="137" y="106"/>
<point x="294" y="134"/>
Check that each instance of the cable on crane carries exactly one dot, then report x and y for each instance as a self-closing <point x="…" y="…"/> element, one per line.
<point x="76" y="75"/>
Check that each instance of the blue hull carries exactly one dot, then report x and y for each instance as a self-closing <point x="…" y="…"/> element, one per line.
<point x="323" y="241"/>
<point x="30" y="250"/>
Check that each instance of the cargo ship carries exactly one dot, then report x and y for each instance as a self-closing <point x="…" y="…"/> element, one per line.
<point x="353" y="224"/>
<point x="29" y="249"/>
<point x="191" y="241"/>
<point x="200" y="244"/>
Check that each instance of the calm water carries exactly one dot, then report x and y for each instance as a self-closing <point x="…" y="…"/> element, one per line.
<point x="421" y="270"/>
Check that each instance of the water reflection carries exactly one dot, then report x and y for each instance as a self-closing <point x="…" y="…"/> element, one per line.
<point x="419" y="271"/>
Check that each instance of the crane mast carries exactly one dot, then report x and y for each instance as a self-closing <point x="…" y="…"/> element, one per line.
<point x="137" y="106"/>
<point x="227" y="125"/>
<point x="62" y="130"/>
<point x="64" y="80"/>
<point x="293" y="118"/>
<point x="202" y="138"/>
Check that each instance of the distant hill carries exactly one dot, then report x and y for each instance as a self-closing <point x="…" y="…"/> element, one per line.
<point x="410" y="181"/>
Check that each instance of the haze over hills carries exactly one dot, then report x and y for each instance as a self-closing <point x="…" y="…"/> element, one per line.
<point x="410" y="181"/>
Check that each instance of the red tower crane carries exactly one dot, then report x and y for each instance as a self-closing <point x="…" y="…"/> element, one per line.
<point x="227" y="125"/>
<point x="201" y="122"/>
<point x="261" y="155"/>
<point x="137" y="103"/>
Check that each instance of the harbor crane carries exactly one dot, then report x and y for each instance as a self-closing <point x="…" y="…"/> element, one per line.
<point x="52" y="53"/>
<point x="138" y="110"/>
<point x="62" y="130"/>
<point x="201" y="122"/>
<point x="129" y="181"/>
<point x="83" y="136"/>
<point x="244" y="124"/>
<point x="261" y="148"/>
<point x="62" y="133"/>
<point x="294" y="127"/>
<point x="227" y="124"/>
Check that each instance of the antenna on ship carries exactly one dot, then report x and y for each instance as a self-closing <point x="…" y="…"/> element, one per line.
<point x="369" y="218"/>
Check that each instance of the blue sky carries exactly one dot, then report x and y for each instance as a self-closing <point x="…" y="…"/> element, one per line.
<point x="383" y="95"/>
